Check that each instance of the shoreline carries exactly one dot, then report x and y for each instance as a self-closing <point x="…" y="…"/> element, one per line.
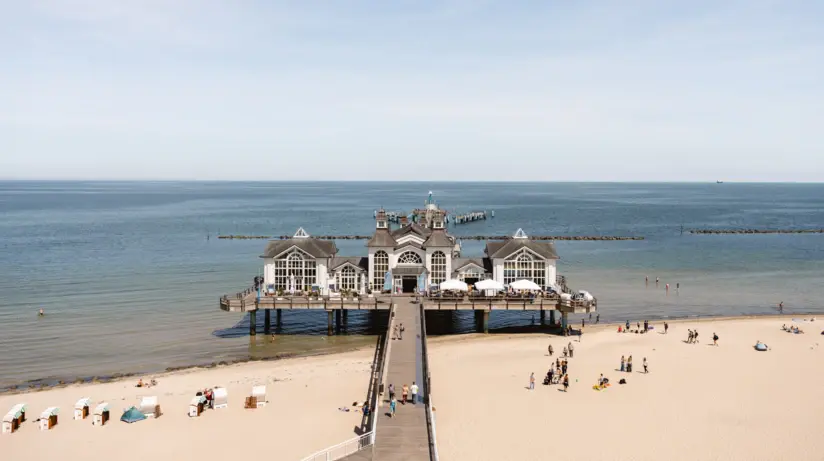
<point x="40" y="385"/>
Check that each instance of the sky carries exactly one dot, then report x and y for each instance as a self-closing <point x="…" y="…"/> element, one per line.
<point x="584" y="90"/>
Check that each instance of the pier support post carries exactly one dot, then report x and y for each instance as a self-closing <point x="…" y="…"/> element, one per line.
<point x="330" y="314"/>
<point x="338" y="319"/>
<point x="543" y="317"/>
<point x="267" y="317"/>
<point x="564" y="320"/>
<point x="482" y="321"/>
<point x="552" y="317"/>
<point x="278" y="317"/>
<point x="345" y="318"/>
<point x="252" y="322"/>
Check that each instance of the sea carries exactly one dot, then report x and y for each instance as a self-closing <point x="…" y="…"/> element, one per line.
<point x="129" y="273"/>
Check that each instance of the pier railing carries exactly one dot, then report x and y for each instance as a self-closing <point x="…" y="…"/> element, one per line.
<point x="430" y="416"/>
<point x="343" y="449"/>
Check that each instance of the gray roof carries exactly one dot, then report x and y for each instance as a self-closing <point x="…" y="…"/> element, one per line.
<point x="314" y="247"/>
<point x="360" y="262"/>
<point x="382" y="238"/>
<point x="460" y="263"/>
<point x="408" y="244"/>
<point x="438" y="238"/>
<point x="502" y="249"/>
<point x="411" y="228"/>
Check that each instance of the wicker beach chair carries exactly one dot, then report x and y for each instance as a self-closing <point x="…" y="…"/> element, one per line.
<point x="259" y="393"/>
<point x="221" y="398"/>
<point x="149" y="407"/>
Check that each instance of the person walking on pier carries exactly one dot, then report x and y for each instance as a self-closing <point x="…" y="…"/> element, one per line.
<point x="401" y="330"/>
<point x="714" y="339"/>
<point x="404" y="394"/>
<point x="414" y="390"/>
<point x="391" y="392"/>
<point x="393" y="404"/>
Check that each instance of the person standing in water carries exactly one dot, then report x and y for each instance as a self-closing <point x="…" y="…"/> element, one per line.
<point x="42" y="313"/>
<point x="780" y="307"/>
<point x="597" y="318"/>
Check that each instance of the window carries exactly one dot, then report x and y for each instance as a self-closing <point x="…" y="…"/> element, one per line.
<point x="472" y="272"/>
<point x="410" y="257"/>
<point x="523" y="265"/>
<point x="348" y="279"/>
<point x="438" y="267"/>
<point x="380" y="266"/>
<point x="294" y="265"/>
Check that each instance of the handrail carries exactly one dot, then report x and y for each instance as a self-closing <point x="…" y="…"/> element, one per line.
<point x="430" y="417"/>
<point x="342" y="449"/>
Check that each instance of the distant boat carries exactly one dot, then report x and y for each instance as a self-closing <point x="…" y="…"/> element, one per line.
<point x="719" y="182"/>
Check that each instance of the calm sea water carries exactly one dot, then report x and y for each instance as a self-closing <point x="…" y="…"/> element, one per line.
<point x="129" y="273"/>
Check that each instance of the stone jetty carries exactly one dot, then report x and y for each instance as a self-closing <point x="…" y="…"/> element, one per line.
<point x="461" y="237"/>
<point x="757" y="231"/>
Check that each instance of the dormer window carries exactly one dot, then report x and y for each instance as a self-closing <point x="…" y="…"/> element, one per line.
<point x="438" y="225"/>
<point x="381" y="224"/>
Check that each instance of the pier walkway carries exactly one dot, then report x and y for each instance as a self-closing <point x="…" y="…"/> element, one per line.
<point x="406" y="436"/>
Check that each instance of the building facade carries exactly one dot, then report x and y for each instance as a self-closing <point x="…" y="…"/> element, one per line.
<point x="413" y="257"/>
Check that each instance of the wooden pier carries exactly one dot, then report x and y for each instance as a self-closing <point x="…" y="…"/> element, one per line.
<point x="472" y="216"/>
<point x="461" y="237"/>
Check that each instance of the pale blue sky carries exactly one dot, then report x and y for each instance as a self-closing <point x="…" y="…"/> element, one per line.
<point x="453" y="90"/>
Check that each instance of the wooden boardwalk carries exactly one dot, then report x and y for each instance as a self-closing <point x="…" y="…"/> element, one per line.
<point x="406" y="436"/>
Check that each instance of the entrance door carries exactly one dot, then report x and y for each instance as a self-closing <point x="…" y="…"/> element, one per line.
<point x="409" y="283"/>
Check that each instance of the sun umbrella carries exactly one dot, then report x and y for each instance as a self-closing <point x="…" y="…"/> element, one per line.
<point x="524" y="284"/>
<point x="453" y="285"/>
<point x="489" y="285"/>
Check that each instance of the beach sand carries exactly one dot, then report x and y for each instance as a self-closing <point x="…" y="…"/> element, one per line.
<point x="698" y="402"/>
<point x="301" y="417"/>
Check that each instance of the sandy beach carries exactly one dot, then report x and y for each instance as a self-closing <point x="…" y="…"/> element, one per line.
<point x="698" y="401"/>
<point x="301" y="417"/>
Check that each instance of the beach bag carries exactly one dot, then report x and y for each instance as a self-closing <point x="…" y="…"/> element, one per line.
<point x="622" y="381"/>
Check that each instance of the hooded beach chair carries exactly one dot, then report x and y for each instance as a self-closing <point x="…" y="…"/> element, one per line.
<point x="48" y="419"/>
<point x="196" y="405"/>
<point x="13" y="419"/>
<point x="221" y="398"/>
<point x="101" y="414"/>
<point x="149" y="407"/>
<point x="259" y="394"/>
<point x="81" y="408"/>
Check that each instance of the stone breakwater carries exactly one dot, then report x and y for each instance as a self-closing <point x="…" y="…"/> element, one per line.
<point x="757" y="231"/>
<point x="462" y="237"/>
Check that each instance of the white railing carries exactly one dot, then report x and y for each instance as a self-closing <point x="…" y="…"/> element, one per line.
<point x="343" y="449"/>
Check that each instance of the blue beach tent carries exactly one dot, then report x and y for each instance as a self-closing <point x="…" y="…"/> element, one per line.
<point x="132" y="415"/>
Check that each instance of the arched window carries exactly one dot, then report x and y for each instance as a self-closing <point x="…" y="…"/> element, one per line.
<point x="380" y="266"/>
<point x="295" y="265"/>
<point x="410" y="257"/>
<point x="348" y="279"/>
<point x="438" y="268"/>
<point x="523" y="265"/>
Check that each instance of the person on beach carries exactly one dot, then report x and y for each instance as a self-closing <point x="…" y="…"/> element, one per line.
<point x="404" y="394"/>
<point x="714" y="339"/>
<point x="580" y="333"/>
<point x="629" y="364"/>
<point x="689" y="336"/>
<point x="623" y="363"/>
<point x="667" y="288"/>
<point x="583" y="322"/>
<point x="391" y="392"/>
<point x="695" y="337"/>
<point x="566" y="351"/>
<point x="646" y="325"/>
<point x="393" y="405"/>
<point x="666" y="327"/>
<point x="414" y="390"/>
<point x="531" y="381"/>
<point x="566" y="382"/>
<point x="645" y="365"/>
<point x="564" y="367"/>
<point x="570" y="350"/>
<point x="626" y="327"/>
<point x="656" y="281"/>
<point x="558" y="363"/>
<point x="550" y="350"/>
